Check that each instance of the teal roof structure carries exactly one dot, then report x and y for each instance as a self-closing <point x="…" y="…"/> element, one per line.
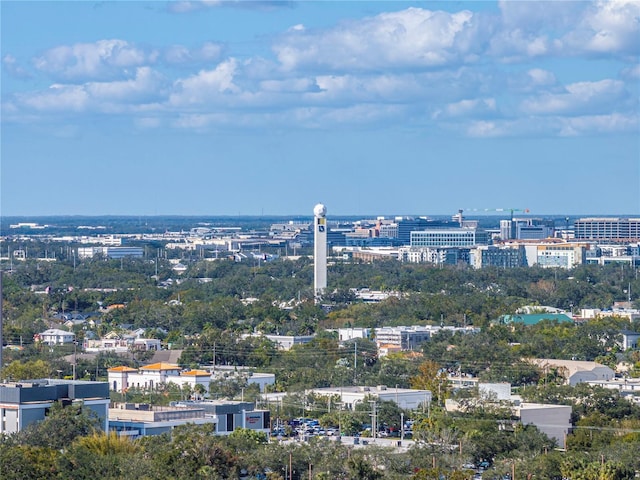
<point x="535" y="318"/>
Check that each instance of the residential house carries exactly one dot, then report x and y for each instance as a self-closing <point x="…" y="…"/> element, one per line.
<point x="54" y="336"/>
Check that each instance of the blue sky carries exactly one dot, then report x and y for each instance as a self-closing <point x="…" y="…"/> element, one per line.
<point x="371" y="107"/>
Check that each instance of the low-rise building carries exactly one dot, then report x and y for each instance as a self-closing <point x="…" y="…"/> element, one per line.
<point x="137" y="420"/>
<point x="405" y="398"/>
<point x="411" y="337"/>
<point x="346" y="334"/>
<point x="153" y="376"/>
<point x="24" y="403"/>
<point x="552" y="420"/>
<point x="575" y="371"/>
<point x="286" y="342"/>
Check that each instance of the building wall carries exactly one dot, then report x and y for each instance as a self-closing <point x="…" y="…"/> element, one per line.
<point x="449" y="237"/>
<point x="552" y="420"/>
<point x="24" y="404"/>
<point x="614" y="229"/>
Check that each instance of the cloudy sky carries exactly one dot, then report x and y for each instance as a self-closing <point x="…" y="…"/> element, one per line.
<point x="268" y="107"/>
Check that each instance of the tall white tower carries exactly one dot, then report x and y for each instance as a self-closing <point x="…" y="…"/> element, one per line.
<point x="319" y="249"/>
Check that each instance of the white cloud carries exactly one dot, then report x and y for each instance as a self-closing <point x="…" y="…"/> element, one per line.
<point x="578" y="98"/>
<point x="535" y="16"/>
<point x="414" y="66"/>
<point x="631" y="73"/>
<point x="181" y="55"/>
<point x="117" y="96"/>
<point x="517" y="44"/>
<point x="599" y="124"/>
<point x="146" y="84"/>
<point x="608" y="27"/>
<point x="289" y="85"/>
<point x="540" y="77"/>
<point x="57" y="98"/>
<point x="192" y="5"/>
<point x="484" y="128"/>
<point x="468" y="108"/>
<point x="206" y="86"/>
<point x="12" y="67"/>
<point x="409" y="38"/>
<point x="148" y="122"/>
<point x="104" y="58"/>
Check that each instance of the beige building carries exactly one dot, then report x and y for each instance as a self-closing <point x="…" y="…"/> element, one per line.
<point x="575" y="371"/>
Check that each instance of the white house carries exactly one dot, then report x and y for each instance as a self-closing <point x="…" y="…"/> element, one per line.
<point x="53" y="336"/>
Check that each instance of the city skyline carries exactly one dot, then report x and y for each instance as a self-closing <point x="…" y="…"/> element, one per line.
<point x="264" y="108"/>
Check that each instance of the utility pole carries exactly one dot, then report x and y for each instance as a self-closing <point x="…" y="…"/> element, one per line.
<point x="75" y="346"/>
<point x="374" y="428"/>
<point x="355" y="362"/>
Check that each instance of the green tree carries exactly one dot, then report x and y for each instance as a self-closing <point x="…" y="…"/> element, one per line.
<point x="60" y="428"/>
<point x="30" y="369"/>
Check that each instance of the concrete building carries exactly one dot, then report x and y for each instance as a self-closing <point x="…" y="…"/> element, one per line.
<point x="629" y="313"/>
<point x="410" y="338"/>
<point x="495" y="391"/>
<point x="575" y="371"/>
<point x="110" y="252"/>
<point x="405" y="398"/>
<point x="137" y="420"/>
<point x="346" y="334"/>
<point x="24" y="403"/>
<point x="629" y="340"/>
<point x="231" y="415"/>
<point x="152" y="376"/>
<point x="449" y="237"/>
<point x="286" y="342"/>
<point x="526" y="229"/>
<point x="406" y="338"/>
<point x="611" y="229"/>
<point x="319" y="249"/>
<point x="566" y="255"/>
<point x="434" y="255"/>
<point x="552" y="420"/>
<point x="406" y="225"/>
<point x="628" y="387"/>
<point x="512" y="256"/>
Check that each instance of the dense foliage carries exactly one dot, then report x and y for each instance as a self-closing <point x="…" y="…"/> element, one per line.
<point x="211" y="311"/>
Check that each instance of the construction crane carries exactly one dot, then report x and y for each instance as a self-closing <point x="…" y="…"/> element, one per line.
<point x="510" y="210"/>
